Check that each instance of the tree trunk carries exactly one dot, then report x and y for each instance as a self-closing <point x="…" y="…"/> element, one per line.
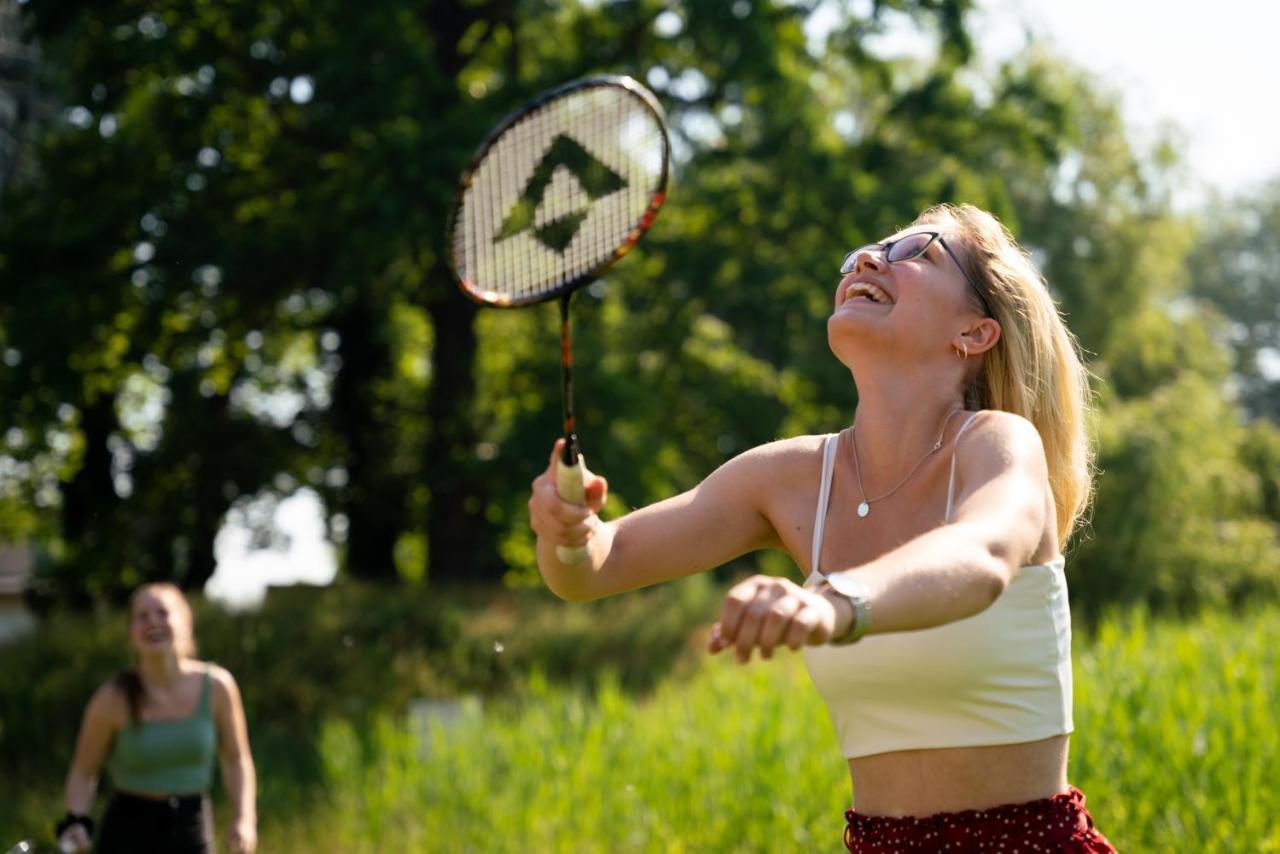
<point x="210" y="502"/>
<point x="460" y="541"/>
<point x="90" y="512"/>
<point x="375" y="495"/>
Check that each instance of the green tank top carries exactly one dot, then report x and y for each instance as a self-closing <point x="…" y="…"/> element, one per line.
<point x="173" y="757"/>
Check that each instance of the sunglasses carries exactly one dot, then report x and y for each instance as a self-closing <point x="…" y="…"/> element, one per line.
<point x="912" y="246"/>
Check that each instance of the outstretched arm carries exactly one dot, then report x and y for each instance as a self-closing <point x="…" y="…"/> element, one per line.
<point x="951" y="572"/>
<point x="238" y="774"/>
<point x="716" y="521"/>
<point x="998" y="525"/>
<point x="103" y="718"/>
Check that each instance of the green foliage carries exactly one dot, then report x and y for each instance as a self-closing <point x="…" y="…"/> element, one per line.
<point x="1169" y="748"/>
<point x="351" y="652"/>
<point x="1171" y="721"/>
<point x="268" y="176"/>
<point x="1261" y="453"/>
<point x="238" y="285"/>
<point x="1178" y="521"/>
<point x="697" y="754"/>
<point x="1235" y="266"/>
<point x="703" y="765"/>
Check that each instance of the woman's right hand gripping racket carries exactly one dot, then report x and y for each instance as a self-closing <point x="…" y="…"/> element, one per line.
<point x="560" y="191"/>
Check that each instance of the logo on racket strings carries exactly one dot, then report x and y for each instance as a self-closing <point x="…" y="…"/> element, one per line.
<point x="595" y="178"/>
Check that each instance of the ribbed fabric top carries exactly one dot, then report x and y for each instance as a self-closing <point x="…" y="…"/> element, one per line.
<point x="170" y="756"/>
<point x="1002" y="676"/>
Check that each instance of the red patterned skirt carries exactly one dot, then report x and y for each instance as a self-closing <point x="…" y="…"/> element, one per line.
<point x="1059" y="824"/>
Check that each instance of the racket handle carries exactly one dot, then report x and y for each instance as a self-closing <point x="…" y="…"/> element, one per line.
<point x="571" y="485"/>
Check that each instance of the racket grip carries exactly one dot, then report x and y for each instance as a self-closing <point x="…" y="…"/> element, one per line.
<point x="571" y="485"/>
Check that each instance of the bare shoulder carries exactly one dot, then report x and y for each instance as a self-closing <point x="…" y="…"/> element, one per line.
<point x="774" y="467"/>
<point x="1001" y="440"/>
<point x="108" y="704"/>
<point x="1004" y="490"/>
<point x="224" y="684"/>
<point x="789" y="449"/>
<point x="778" y="479"/>
<point x="781" y="455"/>
<point x="106" y="715"/>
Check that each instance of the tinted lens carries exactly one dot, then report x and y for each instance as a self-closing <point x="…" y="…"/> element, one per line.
<point x="909" y="247"/>
<point x="851" y="260"/>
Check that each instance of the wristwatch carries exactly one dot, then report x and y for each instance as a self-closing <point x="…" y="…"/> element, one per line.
<point x="858" y="595"/>
<point x="70" y="820"/>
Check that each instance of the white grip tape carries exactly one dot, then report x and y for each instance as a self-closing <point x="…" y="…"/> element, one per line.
<point x="571" y="485"/>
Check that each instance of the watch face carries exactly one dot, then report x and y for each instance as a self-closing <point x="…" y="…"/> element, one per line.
<point x="846" y="584"/>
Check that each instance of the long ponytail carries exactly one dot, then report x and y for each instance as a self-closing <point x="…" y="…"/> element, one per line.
<point x="128" y="680"/>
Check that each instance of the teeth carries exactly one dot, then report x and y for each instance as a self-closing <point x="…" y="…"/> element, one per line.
<point x="868" y="290"/>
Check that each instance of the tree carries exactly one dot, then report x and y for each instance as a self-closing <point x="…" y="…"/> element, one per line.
<point x="1180" y="519"/>
<point x="235" y="280"/>
<point x="264" y="177"/>
<point x="1235" y="267"/>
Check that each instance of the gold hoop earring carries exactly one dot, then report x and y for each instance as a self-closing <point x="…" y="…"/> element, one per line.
<point x="963" y="352"/>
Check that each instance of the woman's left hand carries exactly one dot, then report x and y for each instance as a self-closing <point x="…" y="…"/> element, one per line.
<point x="765" y="612"/>
<point x="242" y="838"/>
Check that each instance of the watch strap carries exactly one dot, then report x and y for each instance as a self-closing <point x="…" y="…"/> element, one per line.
<point x="858" y="595"/>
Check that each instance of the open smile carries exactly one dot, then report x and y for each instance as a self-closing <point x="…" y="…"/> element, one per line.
<point x="868" y="291"/>
<point x="863" y="292"/>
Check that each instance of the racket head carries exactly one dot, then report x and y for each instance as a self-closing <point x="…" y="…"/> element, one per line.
<point x="559" y="191"/>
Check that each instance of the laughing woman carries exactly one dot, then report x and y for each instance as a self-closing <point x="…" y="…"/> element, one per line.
<point x="159" y="727"/>
<point x="933" y="617"/>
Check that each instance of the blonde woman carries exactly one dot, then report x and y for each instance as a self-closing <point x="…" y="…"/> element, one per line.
<point x="159" y="727"/>
<point x="934" y="616"/>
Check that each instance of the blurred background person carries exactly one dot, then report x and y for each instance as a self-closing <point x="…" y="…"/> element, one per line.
<point x="159" y="726"/>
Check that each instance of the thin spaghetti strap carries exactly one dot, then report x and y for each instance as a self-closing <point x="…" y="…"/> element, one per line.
<point x="951" y="483"/>
<point x="824" y="497"/>
<point x="204" y="689"/>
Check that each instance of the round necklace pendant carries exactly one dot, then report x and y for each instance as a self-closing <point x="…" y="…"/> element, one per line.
<point x="863" y="509"/>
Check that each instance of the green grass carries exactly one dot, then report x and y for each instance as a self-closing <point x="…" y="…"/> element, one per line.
<point x="1176" y="740"/>
<point x="1175" y="747"/>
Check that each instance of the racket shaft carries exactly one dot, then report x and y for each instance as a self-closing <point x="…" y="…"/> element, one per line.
<point x="571" y="485"/>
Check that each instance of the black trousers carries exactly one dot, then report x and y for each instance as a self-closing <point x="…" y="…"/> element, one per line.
<point x="179" y="824"/>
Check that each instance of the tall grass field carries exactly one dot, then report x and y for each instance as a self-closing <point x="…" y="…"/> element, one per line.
<point x="1176" y="748"/>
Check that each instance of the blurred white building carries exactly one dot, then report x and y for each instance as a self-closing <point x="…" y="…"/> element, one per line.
<point x="15" y="571"/>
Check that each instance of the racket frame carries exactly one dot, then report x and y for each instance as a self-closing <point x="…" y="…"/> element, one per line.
<point x="500" y="300"/>
<point x="571" y="470"/>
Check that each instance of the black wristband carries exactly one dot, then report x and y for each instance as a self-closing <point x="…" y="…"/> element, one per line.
<point x="71" y="819"/>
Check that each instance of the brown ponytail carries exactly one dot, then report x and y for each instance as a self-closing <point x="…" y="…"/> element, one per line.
<point x="128" y="680"/>
<point x="130" y="684"/>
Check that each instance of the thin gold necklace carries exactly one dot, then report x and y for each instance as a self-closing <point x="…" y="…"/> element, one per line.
<point x="865" y="507"/>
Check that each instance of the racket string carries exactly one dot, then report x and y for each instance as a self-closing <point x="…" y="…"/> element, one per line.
<point x="619" y="139"/>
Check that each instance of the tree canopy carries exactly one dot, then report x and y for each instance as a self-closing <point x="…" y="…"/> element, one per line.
<point x="224" y="276"/>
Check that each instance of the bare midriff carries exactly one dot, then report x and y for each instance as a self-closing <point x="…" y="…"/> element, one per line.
<point x="924" y="782"/>
<point x="157" y="796"/>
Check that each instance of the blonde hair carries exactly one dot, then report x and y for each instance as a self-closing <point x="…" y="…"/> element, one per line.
<point x="1035" y="369"/>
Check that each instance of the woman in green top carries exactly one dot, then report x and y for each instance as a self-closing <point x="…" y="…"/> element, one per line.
<point x="158" y="727"/>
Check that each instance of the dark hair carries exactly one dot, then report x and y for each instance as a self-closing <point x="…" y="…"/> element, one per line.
<point x="130" y="684"/>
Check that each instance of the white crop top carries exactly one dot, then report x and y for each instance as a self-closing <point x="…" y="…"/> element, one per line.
<point x="1001" y="676"/>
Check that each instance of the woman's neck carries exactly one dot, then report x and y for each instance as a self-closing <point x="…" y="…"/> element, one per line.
<point x="160" y="670"/>
<point x="897" y="424"/>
